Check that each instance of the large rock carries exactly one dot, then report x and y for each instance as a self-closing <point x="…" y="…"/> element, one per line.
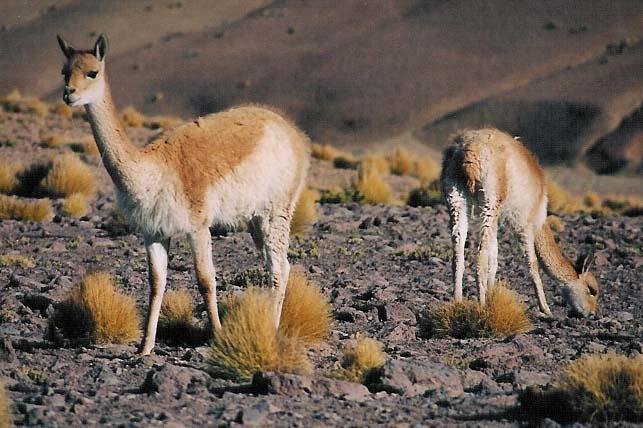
<point x="296" y="385"/>
<point x="412" y="378"/>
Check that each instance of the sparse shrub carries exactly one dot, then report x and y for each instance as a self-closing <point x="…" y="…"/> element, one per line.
<point x="62" y="109"/>
<point x="25" y="209"/>
<point x="54" y="140"/>
<point x="16" y="260"/>
<point x="161" y="122"/>
<point x="306" y="313"/>
<point x="340" y="196"/>
<point x="462" y="320"/>
<point x="426" y="169"/>
<point x="68" y="175"/>
<point x="376" y="162"/>
<point x="422" y="254"/>
<point x="401" y="162"/>
<point x="426" y="196"/>
<point x="248" y="341"/>
<point x="344" y="162"/>
<point x="35" y="106"/>
<point x="373" y="187"/>
<point x="132" y="117"/>
<point x="87" y="146"/>
<point x="9" y="176"/>
<point x="560" y="200"/>
<point x="506" y="314"/>
<point x="5" y="412"/>
<point x="502" y="316"/>
<point x="12" y="97"/>
<point x="75" y="205"/>
<point x="594" y="388"/>
<point x="176" y="322"/>
<point x="592" y="200"/>
<point x="29" y="179"/>
<point x="324" y="152"/>
<point x="305" y="212"/>
<point x="362" y="355"/>
<point x="96" y="310"/>
<point x="624" y="205"/>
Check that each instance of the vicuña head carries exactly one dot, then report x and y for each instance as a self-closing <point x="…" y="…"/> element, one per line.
<point x="247" y="164"/>
<point x="84" y="72"/>
<point x="496" y="174"/>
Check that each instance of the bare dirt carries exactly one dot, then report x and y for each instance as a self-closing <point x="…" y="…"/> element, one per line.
<point x="360" y="257"/>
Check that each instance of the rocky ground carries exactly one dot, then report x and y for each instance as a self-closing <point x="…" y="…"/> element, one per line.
<point x="365" y="260"/>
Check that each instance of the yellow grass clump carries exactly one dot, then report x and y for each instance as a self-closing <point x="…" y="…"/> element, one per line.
<point x="75" y="205"/>
<point x="560" y="200"/>
<point x="162" y="122"/>
<point x="506" y="314"/>
<point x="69" y="175"/>
<point x="594" y="388"/>
<point x="305" y="214"/>
<point x="35" y="106"/>
<point x="13" y="208"/>
<point x="306" y="312"/>
<point x="592" y="200"/>
<point x="132" y="117"/>
<point x="53" y="140"/>
<point x="12" y="97"/>
<point x="87" y="146"/>
<point x="325" y="152"/>
<point x="248" y="342"/>
<point x="61" y="109"/>
<point x="5" y="412"/>
<point x="176" y="322"/>
<point x="376" y="162"/>
<point x="401" y="162"/>
<point x="503" y="315"/>
<point x="372" y="186"/>
<point x="361" y="356"/>
<point x="426" y="169"/>
<point x="555" y="223"/>
<point x="9" y="176"/>
<point x="7" y="260"/>
<point x="96" y="309"/>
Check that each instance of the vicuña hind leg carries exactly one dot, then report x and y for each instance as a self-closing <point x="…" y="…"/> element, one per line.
<point x="277" y="241"/>
<point x="157" y="273"/>
<point x="457" y="205"/>
<point x="528" y="238"/>
<point x="493" y="255"/>
<point x="485" y="260"/>
<point x="201" y="243"/>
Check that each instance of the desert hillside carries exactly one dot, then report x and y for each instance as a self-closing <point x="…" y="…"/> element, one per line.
<point x="564" y="76"/>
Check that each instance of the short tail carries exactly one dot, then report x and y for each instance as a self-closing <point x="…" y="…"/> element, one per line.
<point x="551" y="258"/>
<point x="462" y="163"/>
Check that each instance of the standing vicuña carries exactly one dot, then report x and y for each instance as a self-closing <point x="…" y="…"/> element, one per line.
<point x="247" y="164"/>
<point x="497" y="175"/>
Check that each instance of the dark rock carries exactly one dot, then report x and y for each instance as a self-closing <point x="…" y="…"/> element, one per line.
<point x="417" y="378"/>
<point x="397" y="312"/>
<point x="296" y="385"/>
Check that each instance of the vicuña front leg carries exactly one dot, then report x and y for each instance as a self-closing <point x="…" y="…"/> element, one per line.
<point x="528" y="237"/>
<point x="278" y="239"/>
<point x="485" y="256"/>
<point x="201" y="242"/>
<point x="157" y="251"/>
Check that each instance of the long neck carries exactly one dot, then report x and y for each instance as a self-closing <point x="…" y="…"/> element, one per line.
<point x="551" y="257"/>
<point x="119" y="155"/>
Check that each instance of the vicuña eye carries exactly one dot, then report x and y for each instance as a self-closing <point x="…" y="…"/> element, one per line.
<point x="592" y="291"/>
<point x="92" y="74"/>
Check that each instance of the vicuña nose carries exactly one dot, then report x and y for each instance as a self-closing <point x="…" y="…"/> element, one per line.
<point x="69" y="90"/>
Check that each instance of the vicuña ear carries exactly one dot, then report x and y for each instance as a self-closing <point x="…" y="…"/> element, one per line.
<point x="64" y="46"/>
<point x="589" y="260"/>
<point x="100" y="48"/>
<point x="583" y="262"/>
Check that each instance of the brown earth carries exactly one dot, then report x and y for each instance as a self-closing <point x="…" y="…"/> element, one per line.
<point x="565" y="76"/>
<point x="360" y="257"/>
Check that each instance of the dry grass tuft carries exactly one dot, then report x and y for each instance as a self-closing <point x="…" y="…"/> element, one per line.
<point x="87" y="146"/>
<point x="425" y="196"/>
<point x="248" y="342"/>
<point x="162" y="122"/>
<point x="362" y="355"/>
<point x="53" y="141"/>
<point x="372" y="186"/>
<point x="7" y="260"/>
<point x="560" y="200"/>
<point x="594" y="388"/>
<point x="502" y="316"/>
<point x="401" y="162"/>
<point x="95" y="309"/>
<point x="177" y="324"/>
<point x="13" y="208"/>
<point x="426" y="169"/>
<point x="305" y="213"/>
<point x="69" y="175"/>
<point x="62" y="109"/>
<point x="506" y="314"/>
<point x="592" y="200"/>
<point x="5" y="412"/>
<point x="325" y="152"/>
<point x="12" y="97"/>
<point x="9" y="176"/>
<point x="132" y="117"/>
<point x="376" y="162"/>
<point x="34" y="106"/>
<point x="75" y="205"/>
<point x="462" y="320"/>
<point x="306" y="313"/>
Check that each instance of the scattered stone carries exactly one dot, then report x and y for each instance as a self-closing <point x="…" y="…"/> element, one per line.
<point x="295" y="385"/>
<point x="418" y="378"/>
